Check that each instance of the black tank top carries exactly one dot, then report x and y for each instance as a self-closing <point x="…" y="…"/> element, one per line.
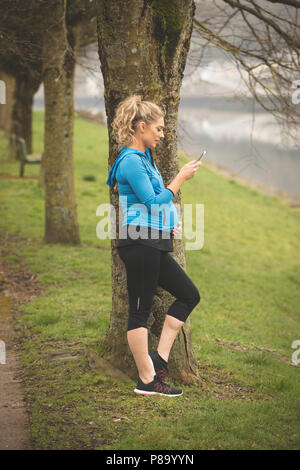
<point x="157" y="241"/>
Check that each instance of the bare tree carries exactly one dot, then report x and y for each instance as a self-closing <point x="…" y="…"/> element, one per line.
<point x="263" y="39"/>
<point x="40" y="40"/>
<point x="58" y="69"/>
<point x="65" y="30"/>
<point x="20" y="58"/>
<point x="21" y="51"/>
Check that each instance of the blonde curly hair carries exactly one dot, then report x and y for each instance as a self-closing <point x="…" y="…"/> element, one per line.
<point x="128" y="113"/>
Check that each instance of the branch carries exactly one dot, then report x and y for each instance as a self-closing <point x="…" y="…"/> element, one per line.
<point x="286" y="2"/>
<point x="234" y="50"/>
<point x="292" y="41"/>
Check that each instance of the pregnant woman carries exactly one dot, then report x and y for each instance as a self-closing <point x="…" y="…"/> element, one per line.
<point x="149" y="224"/>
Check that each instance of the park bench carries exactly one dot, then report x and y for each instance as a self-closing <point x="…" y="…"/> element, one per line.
<point x="24" y="157"/>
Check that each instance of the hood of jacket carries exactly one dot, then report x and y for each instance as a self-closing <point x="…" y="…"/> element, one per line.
<point x="111" y="180"/>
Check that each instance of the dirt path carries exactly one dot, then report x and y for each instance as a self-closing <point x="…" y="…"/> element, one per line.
<point x="14" y="429"/>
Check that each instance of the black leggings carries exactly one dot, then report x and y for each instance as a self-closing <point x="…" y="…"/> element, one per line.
<point x="147" y="267"/>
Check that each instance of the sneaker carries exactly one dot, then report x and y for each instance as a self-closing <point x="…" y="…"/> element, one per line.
<point x="156" y="387"/>
<point x="160" y="366"/>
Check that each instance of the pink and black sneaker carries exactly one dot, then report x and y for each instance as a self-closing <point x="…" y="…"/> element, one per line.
<point x="157" y="387"/>
<point x="160" y="365"/>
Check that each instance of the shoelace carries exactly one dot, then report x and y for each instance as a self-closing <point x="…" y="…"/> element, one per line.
<point x="162" y="387"/>
<point x="161" y="373"/>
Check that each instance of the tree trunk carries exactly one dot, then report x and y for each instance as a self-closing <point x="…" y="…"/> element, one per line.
<point x="22" y="109"/>
<point x="143" y="50"/>
<point x="58" y="71"/>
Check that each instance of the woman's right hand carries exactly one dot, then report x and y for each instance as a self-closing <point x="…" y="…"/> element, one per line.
<point x="189" y="169"/>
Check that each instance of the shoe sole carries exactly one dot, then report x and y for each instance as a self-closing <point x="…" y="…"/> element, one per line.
<point x="144" y="392"/>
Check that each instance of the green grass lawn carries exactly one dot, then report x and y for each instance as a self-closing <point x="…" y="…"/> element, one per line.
<point x="248" y="275"/>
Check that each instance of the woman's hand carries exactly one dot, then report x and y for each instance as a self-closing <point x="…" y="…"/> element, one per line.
<point x="189" y="169"/>
<point x="177" y="230"/>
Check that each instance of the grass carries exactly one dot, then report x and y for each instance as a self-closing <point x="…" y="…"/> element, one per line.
<point x="248" y="276"/>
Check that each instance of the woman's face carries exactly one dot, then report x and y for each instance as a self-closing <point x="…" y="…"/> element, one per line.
<point x="151" y="134"/>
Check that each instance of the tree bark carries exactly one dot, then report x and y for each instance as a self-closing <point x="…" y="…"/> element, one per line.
<point x="143" y="50"/>
<point x="25" y="89"/>
<point x="58" y="72"/>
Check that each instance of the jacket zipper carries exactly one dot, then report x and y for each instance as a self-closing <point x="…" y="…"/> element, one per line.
<point x="138" y="303"/>
<point x="156" y="170"/>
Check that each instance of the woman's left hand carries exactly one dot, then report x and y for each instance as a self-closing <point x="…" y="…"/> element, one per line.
<point x="177" y="230"/>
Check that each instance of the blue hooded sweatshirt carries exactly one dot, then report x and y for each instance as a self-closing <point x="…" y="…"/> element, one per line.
<point x="144" y="199"/>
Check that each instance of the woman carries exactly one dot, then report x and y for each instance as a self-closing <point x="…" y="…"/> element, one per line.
<point x="146" y="238"/>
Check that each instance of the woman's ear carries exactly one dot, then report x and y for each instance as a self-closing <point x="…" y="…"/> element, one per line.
<point x="142" y="126"/>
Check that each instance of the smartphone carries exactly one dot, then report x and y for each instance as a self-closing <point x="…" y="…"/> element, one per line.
<point x="202" y="155"/>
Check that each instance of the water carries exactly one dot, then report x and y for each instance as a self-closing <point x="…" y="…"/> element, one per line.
<point x="225" y="130"/>
<point x="224" y="127"/>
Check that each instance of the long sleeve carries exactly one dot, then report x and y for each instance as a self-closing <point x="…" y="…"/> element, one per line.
<point x="135" y="172"/>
